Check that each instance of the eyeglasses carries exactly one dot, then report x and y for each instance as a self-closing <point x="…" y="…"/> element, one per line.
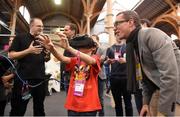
<point x="116" y="23"/>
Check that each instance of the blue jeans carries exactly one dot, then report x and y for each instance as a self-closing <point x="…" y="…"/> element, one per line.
<point x="101" y="83"/>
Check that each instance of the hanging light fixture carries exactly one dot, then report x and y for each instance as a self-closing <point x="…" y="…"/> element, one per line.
<point x="57" y="2"/>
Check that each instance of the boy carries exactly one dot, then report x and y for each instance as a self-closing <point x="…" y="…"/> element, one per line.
<point x="82" y="98"/>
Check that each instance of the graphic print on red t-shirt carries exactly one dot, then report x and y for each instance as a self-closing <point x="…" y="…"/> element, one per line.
<point x="90" y="99"/>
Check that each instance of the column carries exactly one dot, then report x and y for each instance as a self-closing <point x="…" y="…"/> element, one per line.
<point x="109" y="27"/>
<point x="14" y="17"/>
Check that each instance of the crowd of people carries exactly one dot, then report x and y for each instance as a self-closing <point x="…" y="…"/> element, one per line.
<point x="143" y="61"/>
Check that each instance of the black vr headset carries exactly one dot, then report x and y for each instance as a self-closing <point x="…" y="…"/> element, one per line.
<point x="82" y="41"/>
<point x="4" y="65"/>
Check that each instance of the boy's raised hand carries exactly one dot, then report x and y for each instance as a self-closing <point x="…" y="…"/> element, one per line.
<point x="63" y="41"/>
<point x="45" y="41"/>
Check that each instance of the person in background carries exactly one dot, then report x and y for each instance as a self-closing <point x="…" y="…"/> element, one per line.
<point x="107" y="72"/>
<point x="82" y="98"/>
<point x="177" y="42"/>
<point x="31" y="57"/>
<point x="118" y="77"/>
<point x="145" y="23"/>
<point x="70" y="30"/>
<point x="101" y="51"/>
<point x="146" y="57"/>
<point x="5" y="83"/>
<point x="53" y="72"/>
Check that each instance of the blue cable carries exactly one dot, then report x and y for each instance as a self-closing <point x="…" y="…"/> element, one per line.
<point x="15" y="71"/>
<point x="26" y="83"/>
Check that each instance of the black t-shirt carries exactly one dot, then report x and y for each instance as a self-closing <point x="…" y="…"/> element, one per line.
<point x="118" y="70"/>
<point x="31" y="66"/>
<point x="67" y="54"/>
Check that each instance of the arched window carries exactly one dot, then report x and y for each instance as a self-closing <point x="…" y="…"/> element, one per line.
<point x="103" y="37"/>
<point x="25" y="13"/>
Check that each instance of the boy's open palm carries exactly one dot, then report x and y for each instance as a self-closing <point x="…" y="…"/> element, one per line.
<point x="63" y="41"/>
<point x="45" y="41"/>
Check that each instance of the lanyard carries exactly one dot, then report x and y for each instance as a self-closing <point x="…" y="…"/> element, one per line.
<point x="78" y="59"/>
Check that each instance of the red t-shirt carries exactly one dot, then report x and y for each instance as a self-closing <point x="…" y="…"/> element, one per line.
<point x="90" y="99"/>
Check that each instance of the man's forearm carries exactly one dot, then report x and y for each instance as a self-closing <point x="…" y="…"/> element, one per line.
<point x="18" y="55"/>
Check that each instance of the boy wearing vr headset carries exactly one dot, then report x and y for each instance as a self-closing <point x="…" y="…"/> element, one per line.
<point x="82" y="98"/>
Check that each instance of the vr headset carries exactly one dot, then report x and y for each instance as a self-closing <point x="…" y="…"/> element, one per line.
<point x="82" y="41"/>
<point x="4" y="65"/>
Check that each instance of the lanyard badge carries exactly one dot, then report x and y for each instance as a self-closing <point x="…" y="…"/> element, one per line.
<point x="138" y="68"/>
<point x="117" y="55"/>
<point x="139" y="76"/>
<point x="25" y="92"/>
<point x="79" y="87"/>
<point x="79" y="79"/>
<point x="138" y="72"/>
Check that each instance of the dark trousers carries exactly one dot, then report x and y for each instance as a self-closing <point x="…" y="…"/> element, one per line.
<point x="66" y="77"/>
<point x="119" y="89"/>
<point x="62" y="85"/>
<point x="138" y="100"/>
<point x="46" y="84"/>
<point x="18" y="105"/>
<point x="101" y="84"/>
<point x="74" y="113"/>
<point x="2" y="107"/>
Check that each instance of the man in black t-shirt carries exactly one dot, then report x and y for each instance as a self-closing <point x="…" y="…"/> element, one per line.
<point x="30" y="56"/>
<point x="70" y="30"/>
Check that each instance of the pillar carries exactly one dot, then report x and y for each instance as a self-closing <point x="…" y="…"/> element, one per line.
<point x="109" y="25"/>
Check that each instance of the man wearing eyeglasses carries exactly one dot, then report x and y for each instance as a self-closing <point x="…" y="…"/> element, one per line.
<point x="151" y="58"/>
